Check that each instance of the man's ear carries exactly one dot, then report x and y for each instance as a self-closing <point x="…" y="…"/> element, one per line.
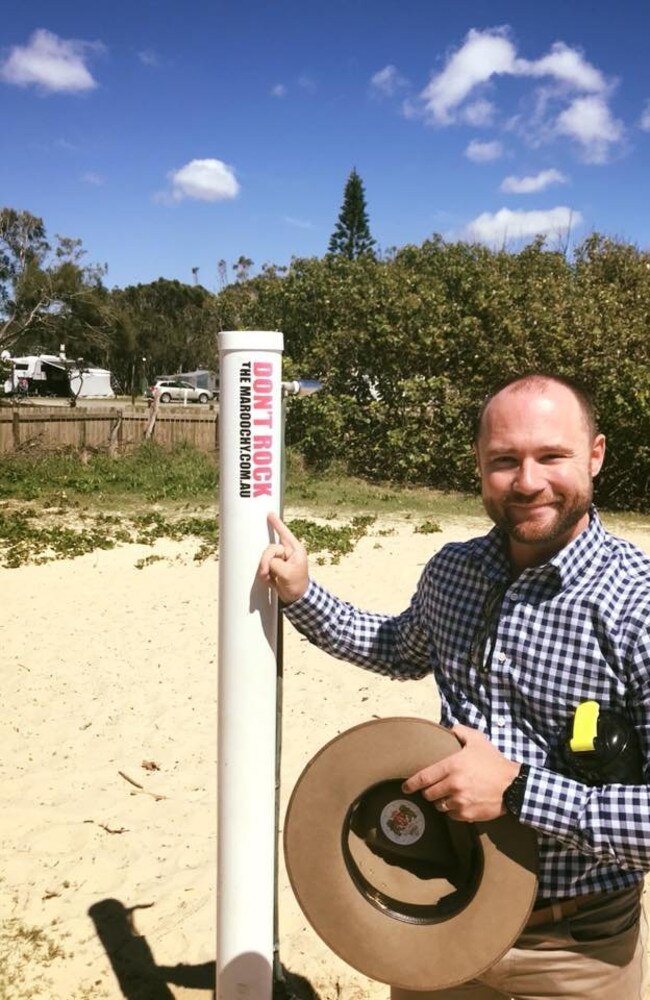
<point x="597" y="454"/>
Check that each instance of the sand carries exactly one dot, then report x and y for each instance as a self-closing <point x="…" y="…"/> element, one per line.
<point x="109" y="683"/>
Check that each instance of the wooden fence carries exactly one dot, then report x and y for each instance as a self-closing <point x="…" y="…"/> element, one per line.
<point x="25" y="427"/>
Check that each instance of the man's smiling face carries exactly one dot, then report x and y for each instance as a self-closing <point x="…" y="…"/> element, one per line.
<point x="537" y="459"/>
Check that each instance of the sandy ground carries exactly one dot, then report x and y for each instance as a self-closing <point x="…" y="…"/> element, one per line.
<point x="109" y="679"/>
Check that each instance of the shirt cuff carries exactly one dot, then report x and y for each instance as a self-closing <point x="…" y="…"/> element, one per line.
<point x="298" y="610"/>
<point x="553" y="804"/>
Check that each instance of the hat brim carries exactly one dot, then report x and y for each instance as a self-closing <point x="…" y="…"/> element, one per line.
<point x="409" y="955"/>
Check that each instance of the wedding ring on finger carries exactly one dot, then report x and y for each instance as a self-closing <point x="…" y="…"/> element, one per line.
<point x="443" y="805"/>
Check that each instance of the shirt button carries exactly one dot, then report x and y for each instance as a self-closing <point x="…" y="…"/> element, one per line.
<point x="500" y="721"/>
<point x="501" y="657"/>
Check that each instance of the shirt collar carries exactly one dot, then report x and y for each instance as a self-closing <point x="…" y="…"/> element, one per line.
<point x="489" y="553"/>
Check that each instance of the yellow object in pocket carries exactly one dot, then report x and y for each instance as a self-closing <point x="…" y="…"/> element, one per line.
<point x="585" y="727"/>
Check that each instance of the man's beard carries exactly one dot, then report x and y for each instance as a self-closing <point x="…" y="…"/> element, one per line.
<point x="567" y="514"/>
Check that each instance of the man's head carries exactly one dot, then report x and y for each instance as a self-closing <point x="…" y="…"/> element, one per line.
<point x="538" y="449"/>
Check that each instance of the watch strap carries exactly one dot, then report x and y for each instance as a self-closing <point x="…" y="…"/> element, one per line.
<point x="513" y="797"/>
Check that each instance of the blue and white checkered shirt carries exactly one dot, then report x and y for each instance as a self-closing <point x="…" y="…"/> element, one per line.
<point x="574" y="629"/>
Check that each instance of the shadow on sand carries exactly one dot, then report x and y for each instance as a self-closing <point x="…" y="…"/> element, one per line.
<point x="140" y="978"/>
<point x="131" y="958"/>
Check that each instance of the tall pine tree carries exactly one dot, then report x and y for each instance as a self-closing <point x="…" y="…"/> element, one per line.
<point x="351" y="237"/>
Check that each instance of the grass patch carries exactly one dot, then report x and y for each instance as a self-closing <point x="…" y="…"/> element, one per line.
<point x="25" y="538"/>
<point x="187" y="476"/>
<point x="427" y="528"/>
<point x="332" y="542"/>
<point x="24" y="949"/>
<point x="148" y="473"/>
<point x="336" y="491"/>
<point x="59" y="507"/>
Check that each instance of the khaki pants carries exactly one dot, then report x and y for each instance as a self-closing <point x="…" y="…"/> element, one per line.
<point x="599" y="954"/>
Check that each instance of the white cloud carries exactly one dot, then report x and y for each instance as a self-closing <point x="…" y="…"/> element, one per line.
<point x="306" y="83"/>
<point x="148" y="57"/>
<point x="589" y="121"/>
<point x="454" y="94"/>
<point x="410" y="109"/>
<point x="479" y="113"/>
<point x="531" y="184"/>
<point x="507" y="224"/>
<point x="387" y="81"/>
<point x="96" y="180"/>
<point x="485" y="54"/>
<point x="50" y="62"/>
<point x="566" y="65"/>
<point x="644" y="123"/>
<point x="483" y="152"/>
<point x="279" y="90"/>
<point x="482" y="55"/>
<point x="297" y="223"/>
<point x="204" y="180"/>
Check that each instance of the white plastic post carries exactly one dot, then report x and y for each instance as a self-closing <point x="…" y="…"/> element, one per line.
<point x="250" y="425"/>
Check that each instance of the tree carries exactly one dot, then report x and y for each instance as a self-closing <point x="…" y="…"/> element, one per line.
<point x="242" y="267"/>
<point x="351" y="237"/>
<point x="169" y="323"/>
<point x="46" y="296"/>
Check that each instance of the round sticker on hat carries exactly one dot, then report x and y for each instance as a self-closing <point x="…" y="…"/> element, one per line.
<point x="402" y="822"/>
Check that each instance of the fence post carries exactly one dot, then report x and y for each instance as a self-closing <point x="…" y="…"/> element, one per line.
<point x="15" y="421"/>
<point x="153" y="413"/>
<point x="115" y="435"/>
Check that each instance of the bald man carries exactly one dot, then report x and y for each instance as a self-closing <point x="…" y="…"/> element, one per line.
<point x="518" y="627"/>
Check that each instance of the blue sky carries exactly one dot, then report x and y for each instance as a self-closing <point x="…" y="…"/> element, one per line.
<point x="169" y="136"/>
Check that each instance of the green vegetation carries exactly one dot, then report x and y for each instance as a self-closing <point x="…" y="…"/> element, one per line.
<point x="337" y="541"/>
<point x="406" y="344"/>
<point x="351" y="237"/>
<point x="28" y="535"/>
<point x="45" y="288"/>
<point x="185" y="476"/>
<point x="57" y="507"/>
<point x="427" y="528"/>
<point x="150" y="473"/>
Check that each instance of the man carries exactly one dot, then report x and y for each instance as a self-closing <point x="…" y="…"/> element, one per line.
<point x="519" y="627"/>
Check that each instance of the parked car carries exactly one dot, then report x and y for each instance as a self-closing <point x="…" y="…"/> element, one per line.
<point x="168" y="389"/>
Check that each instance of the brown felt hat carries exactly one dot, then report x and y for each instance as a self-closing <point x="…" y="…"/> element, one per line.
<point x="399" y="891"/>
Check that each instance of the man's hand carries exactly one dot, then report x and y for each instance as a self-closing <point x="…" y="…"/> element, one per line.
<point x="468" y="785"/>
<point x="284" y="563"/>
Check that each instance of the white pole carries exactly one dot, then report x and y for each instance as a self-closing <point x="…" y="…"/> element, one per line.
<point x="249" y="487"/>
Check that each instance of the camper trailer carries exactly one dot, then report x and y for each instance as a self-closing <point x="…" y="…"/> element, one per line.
<point x="53" y="375"/>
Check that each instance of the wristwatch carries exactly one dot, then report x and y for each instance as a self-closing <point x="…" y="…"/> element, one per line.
<point x="513" y="797"/>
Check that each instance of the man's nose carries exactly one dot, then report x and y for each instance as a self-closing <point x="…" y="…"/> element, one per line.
<point x="529" y="477"/>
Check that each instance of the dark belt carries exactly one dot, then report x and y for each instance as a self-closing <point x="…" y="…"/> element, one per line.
<point x="552" y="913"/>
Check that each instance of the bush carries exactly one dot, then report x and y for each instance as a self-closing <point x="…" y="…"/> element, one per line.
<point x="407" y="347"/>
